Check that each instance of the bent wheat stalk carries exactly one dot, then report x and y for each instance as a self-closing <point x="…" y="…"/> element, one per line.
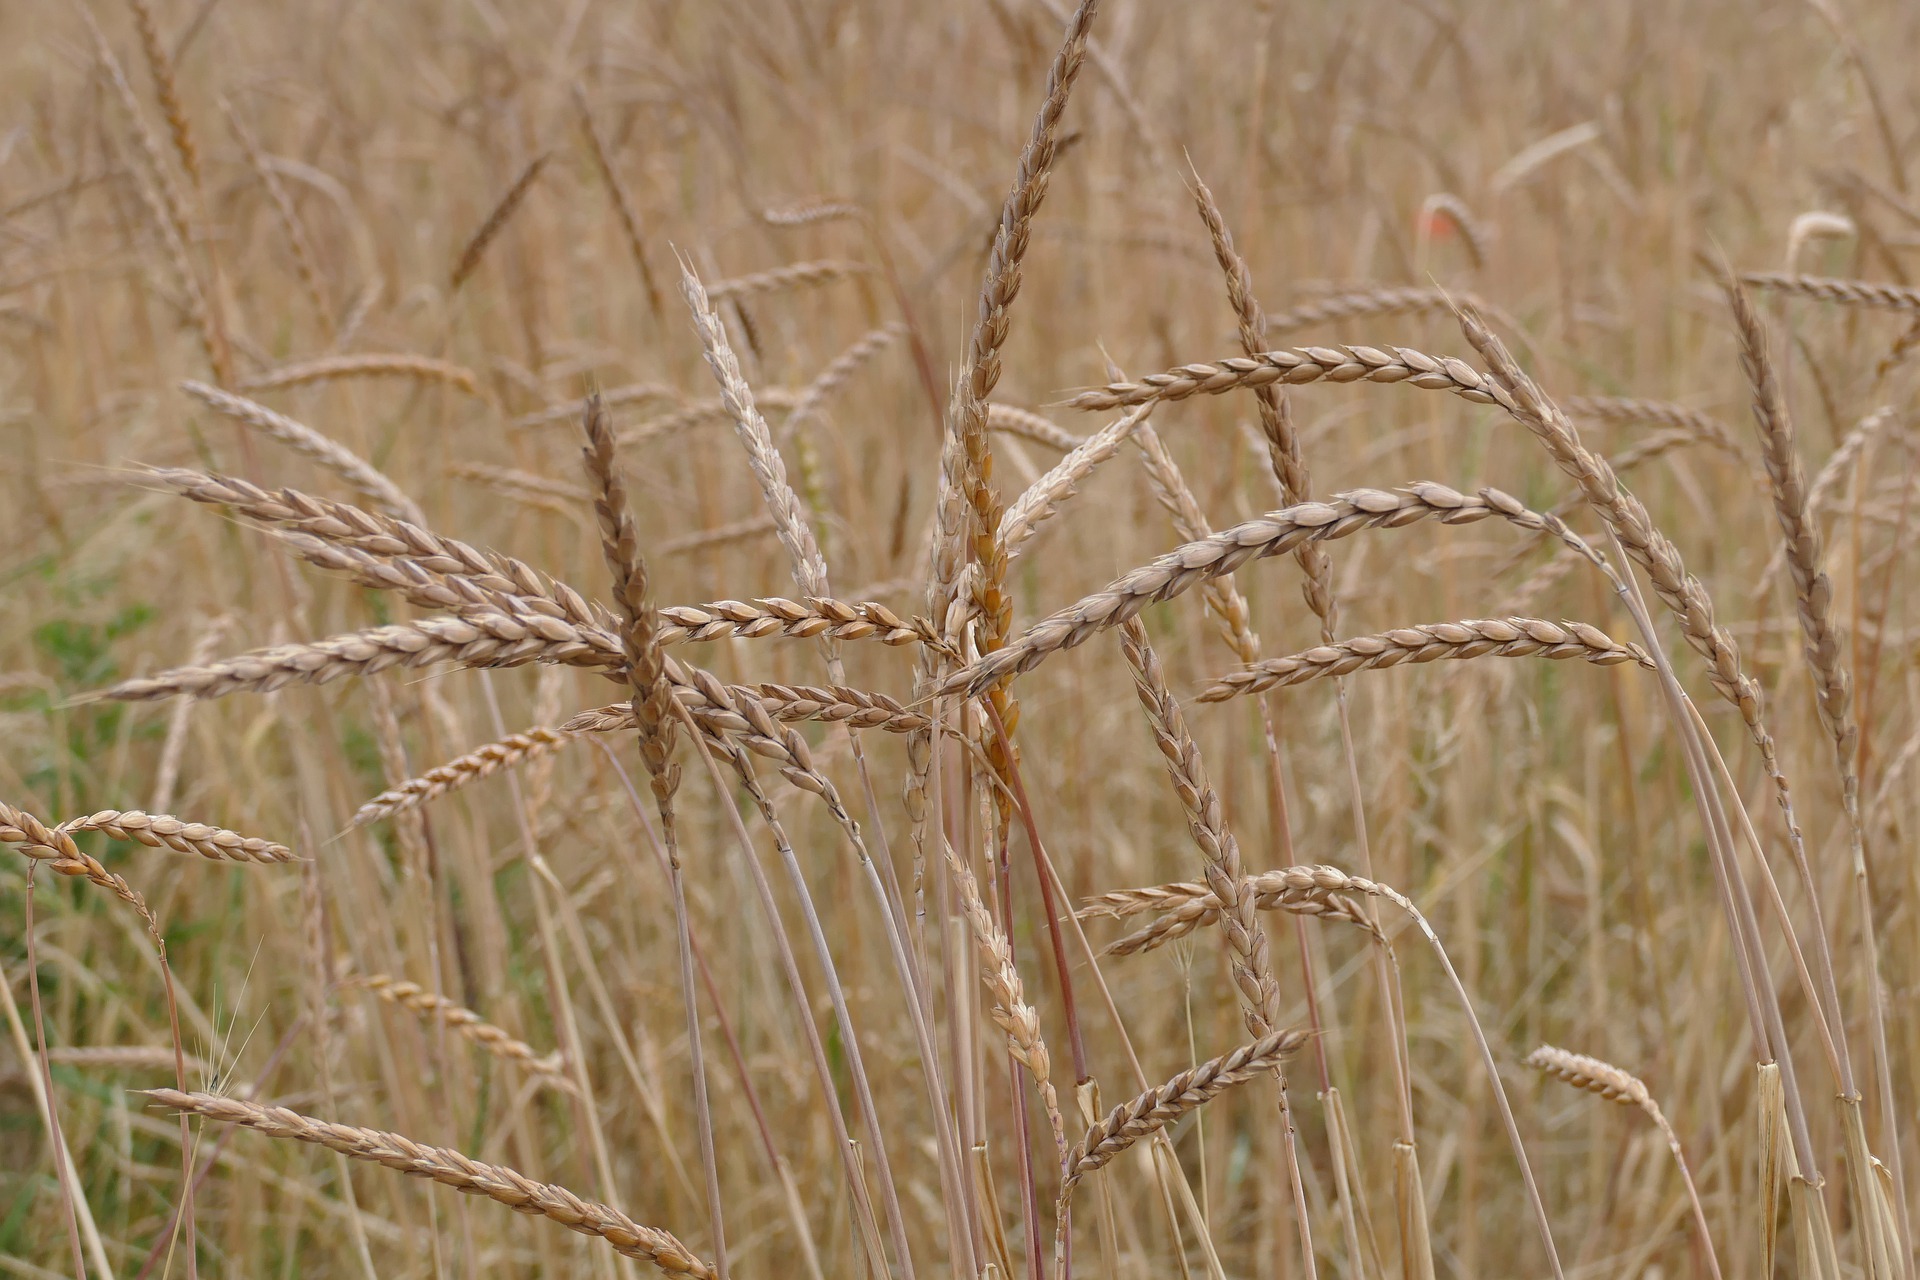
<point x="451" y="1169"/>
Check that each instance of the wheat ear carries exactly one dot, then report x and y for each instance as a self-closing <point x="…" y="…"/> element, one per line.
<point x="325" y="450"/>
<point x="1847" y="293"/>
<point x="373" y="364"/>
<point x="622" y="202"/>
<point x="465" y="1022"/>
<point x="795" y="275"/>
<point x="453" y="1169"/>
<point x="162" y="831"/>
<point x="476" y="246"/>
<point x="1471" y="638"/>
<point x="1273" y="534"/>
<point x="1159" y="1107"/>
<point x="1616" y="1085"/>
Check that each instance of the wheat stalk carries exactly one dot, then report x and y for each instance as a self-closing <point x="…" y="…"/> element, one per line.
<point x="1470" y="638"/>
<point x="1701" y="426"/>
<point x="452" y="1169"/>
<point x="163" y="831"/>
<point x="374" y="364"/>
<point x="479" y="639"/>
<point x="388" y="554"/>
<point x="1297" y="366"/>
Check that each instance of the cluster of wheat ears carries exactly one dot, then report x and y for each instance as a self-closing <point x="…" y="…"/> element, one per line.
<point x="878" y="1028"/>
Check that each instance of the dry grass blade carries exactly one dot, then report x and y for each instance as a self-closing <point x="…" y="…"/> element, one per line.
<point x="1847" y="293"/>
<point x="476" y="246"/>
<point x="367" y="365"/>
<point x="163" y="831"/>
<point x="1159" y="1107"/>
<point x="1471" y="638"/>
<point x="1616" y="1085"/>
<point x="453" y="1169"/>
<point x="326" y="451"/>
<point x="464" y="1021"/>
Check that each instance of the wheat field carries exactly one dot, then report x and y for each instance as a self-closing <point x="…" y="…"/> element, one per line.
<point x="769" y="634"/>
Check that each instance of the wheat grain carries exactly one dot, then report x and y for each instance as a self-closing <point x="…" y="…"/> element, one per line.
<point x="450" y="1168"/>
<point x="1470" y="638"/>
